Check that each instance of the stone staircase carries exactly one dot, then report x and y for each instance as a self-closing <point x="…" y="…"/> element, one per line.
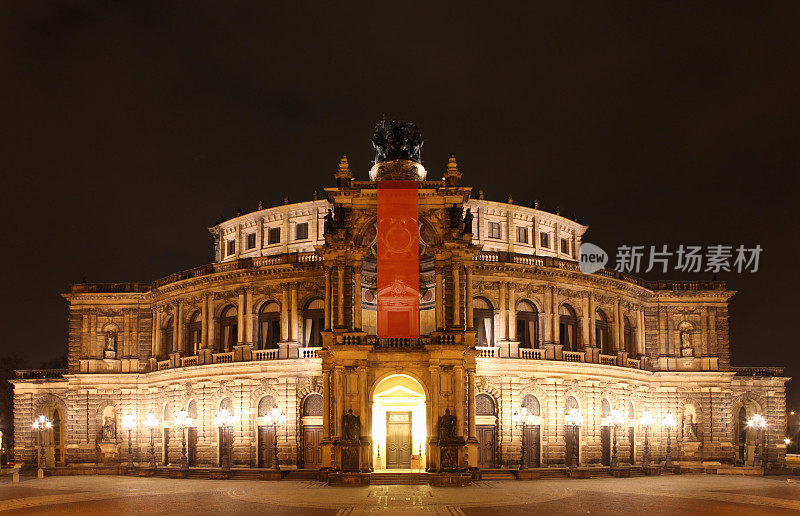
<point x="301" y="474"/>
<point x="391" y="478"/>
<point x="498" y="474"/>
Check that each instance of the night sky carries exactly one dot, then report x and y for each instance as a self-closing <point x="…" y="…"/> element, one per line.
<point x="126" y="129"/>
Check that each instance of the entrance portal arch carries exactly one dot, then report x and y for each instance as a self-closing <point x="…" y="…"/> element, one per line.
<point x="399" y="428"/>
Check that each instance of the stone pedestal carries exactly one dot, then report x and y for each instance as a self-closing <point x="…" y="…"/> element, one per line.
<point x="288" y="349"/>
<point x="204" y="356"/>
<point x="592" y="354"/>
<point x="242" y="353"/>
<point x="472" y="453"/>
<point x="110" y="354"/>
<point x="449" y="454"/>
<point x="109" y="452"/>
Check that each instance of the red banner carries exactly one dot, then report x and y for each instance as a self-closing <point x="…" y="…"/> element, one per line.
<point x="398" y="259"/>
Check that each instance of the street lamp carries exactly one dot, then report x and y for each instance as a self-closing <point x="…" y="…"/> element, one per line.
<point x="617" y="420"/>
<point x="574" y="419"/>
<point x="129" y="423"/>
<point x="757" y="422"/>
<point x="274" y="418"/>
<point x="646" y="421"/>
<point x="152" y="422"/>
<point x="669" y="423"/>
<point x="40" y="426"/>
<point x="224" y="421"/>
<point x="522" y="419"/>
<point x="183" y="421"/>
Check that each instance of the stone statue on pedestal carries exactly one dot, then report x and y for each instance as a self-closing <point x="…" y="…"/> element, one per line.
<point x="468" y="221"/>
<point x="447" y="426"/>
<point x="329" y="225"/>
<point x="109" y="431"/>
<point x="110" y="349"/>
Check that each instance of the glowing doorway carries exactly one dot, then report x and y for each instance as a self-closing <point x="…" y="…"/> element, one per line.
<point x="398" y="403"/>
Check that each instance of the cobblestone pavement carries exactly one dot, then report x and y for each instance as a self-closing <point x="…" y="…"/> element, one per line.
<point x="685" y="495"/>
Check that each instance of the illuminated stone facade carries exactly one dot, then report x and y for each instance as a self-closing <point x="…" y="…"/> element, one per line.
<point x="285" y="318"/>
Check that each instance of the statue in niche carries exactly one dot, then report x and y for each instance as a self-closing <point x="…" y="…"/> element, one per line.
<point x="109" y="430"/>
<point x="329" y="226"/>
<point x="686" y="343"/>
<point x="338" y="216"/>
<point x="447" y="427"/>
<point x="455" y="217"/>
<point x="351" y="426"/>
<point x="111" y="341"/>
<point x="689" y="424"/>
<point x="468" y="221"/>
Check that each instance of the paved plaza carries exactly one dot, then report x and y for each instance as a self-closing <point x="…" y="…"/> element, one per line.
<point x="686" y="494"/>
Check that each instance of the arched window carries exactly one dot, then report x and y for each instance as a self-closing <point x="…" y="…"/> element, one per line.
<point x="741" y="435"/>
<point x="605" y="409"/>
<point x="572" y="403"/>
<point x="483" y="321"/>
<point x="194" y="331"/>
<point x="601" y="333"/>
<point x="191" y="409"/>
<point x="226" y="404"/>
<point x="228" y="329"/>
<point x="266" y="404"/>
<point x="166" y="338"/>
<point x="567" y="328"/>
<point x="630" y="341"/>
<point x="312" y="405"/>
<point x="313" y="323"/>
<point x="484" y="405"/>
<point x="531" y="404"/>
<point x="166" y="414"/>
<point x="527" y="325"/>
<point x="57" y="436"/>
<point x="631" y="413"/>
<point x="269" y="325"/>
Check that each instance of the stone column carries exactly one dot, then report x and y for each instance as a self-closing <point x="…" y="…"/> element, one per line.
<point x="340" y="295"/>
<point x="618" y="341"/>
<point x="204" y="321"/>
<point x="503" y="326"/>
<point x="357" y="298"/>
<point x="327" y="298"/>
<point x="248" y="318"/>
<point x="456" y="300"/>
<point x="640" y="331"/>
<point x="176" y="327"/>
<point x="212" y="329"/>
<point x="439" y="299"/>
<point x="433" y="430"/>
<point x="326" y="405"/>
<point x="512" y="312"/>
<point x="240" y="319"/>
<point x="472" y="441"/>
<point x="285" y="313"/>
<point x="293" y="326"/>
<point x="157" y="344"/>
<point x="468" y="301"/>
<point x="366" y="425"/>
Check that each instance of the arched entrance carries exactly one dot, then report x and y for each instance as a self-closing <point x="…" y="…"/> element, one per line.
<point x="399" y="427"/>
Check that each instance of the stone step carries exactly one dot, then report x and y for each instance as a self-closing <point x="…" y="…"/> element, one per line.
<point x="302" y="474"/>
<point x="385" y="479"/>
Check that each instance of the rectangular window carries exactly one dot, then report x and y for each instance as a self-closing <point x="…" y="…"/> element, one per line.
<point x="565" y="246"/>
<point x="522" y="234"/>
<point x="274" y="235"/>
<point x="251" y="241"/>
<point x="301" y="231"/>
<point x="544" y="240"/>
<point x="231" y="247"/>
<point x="494" y="230"/>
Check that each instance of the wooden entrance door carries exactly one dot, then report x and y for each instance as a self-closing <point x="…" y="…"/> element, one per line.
<point x="166" y="446"/>
<point x="266" y="445"/>
<point x="605" y="442"/>
<point x="632" y="444"/>
<point x="486" y="445"/>
<point x="398" y="440"/>
<point x="572" y="448"/>
<point x="191" y="443"/>
<point x="312" y="446"/>
<point x="530" y="438"/>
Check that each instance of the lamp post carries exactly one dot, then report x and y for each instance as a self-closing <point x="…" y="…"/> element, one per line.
<point x="522" y="419"/>
<point x="40" y="426"/>
<point x="129" y="423"/>
<point x="274" y="418"/>
<point x="669" y="423"/>
<point x="573" y="419"/>
<point x="183" y="421"/>
<point x="224" y="421"/>
<point x="758" y="423"/>
<point x="152" y="422"/>
<point x="646" y="421"/>
<point x="616" y="419"/>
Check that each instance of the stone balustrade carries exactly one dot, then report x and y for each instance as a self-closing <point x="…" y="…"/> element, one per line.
<point x="574" y="356"/>
<point x="488" y="351"/>
<point x="308" y="352"/>
<point x="223" y="358"/>
<point x="189" y="361"/>
<point x="531" y="354"/>
<point x="162" y="364"/>
<point x="608" y="359"/>
<point x="265" y="354"/>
